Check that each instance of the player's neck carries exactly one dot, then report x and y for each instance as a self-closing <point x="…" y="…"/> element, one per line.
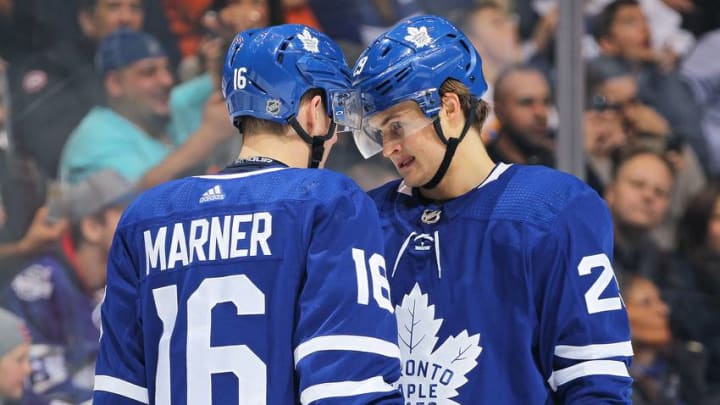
<point x="468" y="169"/>
<point x="289" y="149"/>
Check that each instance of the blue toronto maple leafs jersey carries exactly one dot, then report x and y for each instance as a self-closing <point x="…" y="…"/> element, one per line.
<point x="260" y="285"/>
<point x="506" y="295"/>
<point x="63" y="321"/>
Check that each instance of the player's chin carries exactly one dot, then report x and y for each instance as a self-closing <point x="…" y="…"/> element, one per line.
<point x="413" y="180"/>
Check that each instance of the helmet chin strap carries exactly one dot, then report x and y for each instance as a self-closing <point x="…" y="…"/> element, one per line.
<point x="450" y="145"/>
<point x="316" y="142"/>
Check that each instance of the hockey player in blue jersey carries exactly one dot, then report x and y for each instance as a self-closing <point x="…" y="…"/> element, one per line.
<point x="265" y="283"/>
<point x="501" y="275"/>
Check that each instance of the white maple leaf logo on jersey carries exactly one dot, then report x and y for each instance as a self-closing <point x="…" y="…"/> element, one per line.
<point x="310" y="43"/>
<point x="418" y="36"/>
<point x="427" y="374"/>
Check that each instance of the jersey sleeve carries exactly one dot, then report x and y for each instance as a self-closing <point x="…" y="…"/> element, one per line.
<point x="120" y="376"/>
<point x="584" y="336"/>
<point x="346" y="334"/>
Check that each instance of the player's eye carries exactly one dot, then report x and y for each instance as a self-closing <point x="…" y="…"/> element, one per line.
<point x="395" y="129"/>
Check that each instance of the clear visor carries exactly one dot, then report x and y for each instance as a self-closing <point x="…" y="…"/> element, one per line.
<point x="347" y="108"/>
<point x="393" y="124"/>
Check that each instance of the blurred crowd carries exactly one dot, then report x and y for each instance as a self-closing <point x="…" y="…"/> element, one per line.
<point x="100" y="99"/>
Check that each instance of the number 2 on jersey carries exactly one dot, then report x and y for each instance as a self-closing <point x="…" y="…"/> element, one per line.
<point x="592" y="296"/>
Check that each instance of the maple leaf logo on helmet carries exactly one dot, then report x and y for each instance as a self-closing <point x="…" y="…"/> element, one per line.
<point x="418" y="36"/>
<point x="310" y="43"/>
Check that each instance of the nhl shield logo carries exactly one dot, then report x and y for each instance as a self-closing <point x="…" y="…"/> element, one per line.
<point x="272" y="107"/>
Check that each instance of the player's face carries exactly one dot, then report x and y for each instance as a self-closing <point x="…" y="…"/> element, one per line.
<point x="145" y="87"/>
<point x="640" y="196"/>
<point x="525" y="105"/>
<point x="410" y="142"/>
<point x="713" y="237"/>
<point x="14" y="369"/>
<point x="109" y="15"/>
<point x="648" y="313"/>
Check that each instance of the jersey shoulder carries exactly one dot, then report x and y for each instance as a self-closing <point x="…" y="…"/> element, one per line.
<point x="537" y="194"/>
<point x="386" y="193"/>
<point x="238" y="190"/>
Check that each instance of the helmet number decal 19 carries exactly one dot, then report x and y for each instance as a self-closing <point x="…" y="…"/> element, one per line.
<point x="239" y="79"/>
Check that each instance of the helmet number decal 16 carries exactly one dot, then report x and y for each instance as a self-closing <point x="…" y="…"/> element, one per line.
<point x="239" y="79"/>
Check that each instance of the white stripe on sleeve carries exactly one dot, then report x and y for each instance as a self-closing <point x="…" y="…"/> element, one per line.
<point x="346" y="342"/>
<point x="587" y="368"/>
<point x="122" y="388"/>
<point x="592" y="352"/>
<point x="344" y="389"/>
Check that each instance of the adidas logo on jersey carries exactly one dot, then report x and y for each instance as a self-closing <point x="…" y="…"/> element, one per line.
<point x="214" y="194"/>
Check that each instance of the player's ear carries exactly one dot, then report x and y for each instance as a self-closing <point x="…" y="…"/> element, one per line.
<point x="452" y="117"/>
<point x="313" y="116"/>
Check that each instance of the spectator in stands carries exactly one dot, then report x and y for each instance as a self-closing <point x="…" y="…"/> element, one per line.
<point x="664" y="370"/>
<point x="695" y="281"/>
<point x="14" y="360"/>
<point x="522" y="106"/>
<point x="206" y="24"/>
<point x="40" y="233"/>
<point x="611" y="80"/>
<point x="494" y="34"/>
<point x="702" y="71"/>
<point x="58" y="293"/>
<point x="639" y="200"/>
<point x="605" y="138"/>
<point x="135" y="132"/>
<point x="220" y="24"/>
<point x="52" y="90"/>
<point x="24" y="191"/>
<point x="622" y="32"/>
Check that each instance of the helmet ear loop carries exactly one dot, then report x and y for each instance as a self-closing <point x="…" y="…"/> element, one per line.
<point x="317" y="143"/>
<point x="450" y="144"/>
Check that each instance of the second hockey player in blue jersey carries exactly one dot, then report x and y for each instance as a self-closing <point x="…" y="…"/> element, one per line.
<point x="501" y="274"/>
<point x="266" y="283"/>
